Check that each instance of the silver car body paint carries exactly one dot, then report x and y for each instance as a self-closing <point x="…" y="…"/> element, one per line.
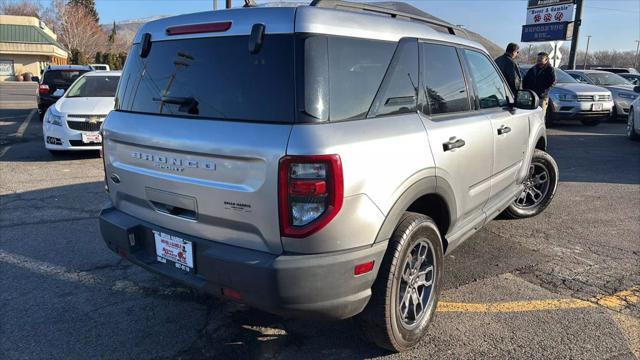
<point x="383" y="158"/>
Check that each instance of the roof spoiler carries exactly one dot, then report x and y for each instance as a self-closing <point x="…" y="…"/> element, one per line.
<point x="346" y="5"/>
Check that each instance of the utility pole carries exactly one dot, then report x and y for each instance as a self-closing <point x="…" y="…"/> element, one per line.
<point x="529" y="54"/>
<point x="215" y="4"/>
<point x="635" y="62"/>
<point x="228" y="4"/>
<point x="586" y="53"/>
<point x="576" y="34"/>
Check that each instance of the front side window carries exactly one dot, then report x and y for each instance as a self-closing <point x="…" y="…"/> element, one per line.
<point x="443" y="82"/>
<point x="94" y="86"/>
<point x="489" y="85"/>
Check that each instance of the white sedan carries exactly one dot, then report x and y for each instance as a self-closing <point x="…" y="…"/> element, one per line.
<point x="73" y="122"/>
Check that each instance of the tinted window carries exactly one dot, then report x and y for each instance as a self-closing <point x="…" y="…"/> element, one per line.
<point x="342" y="75"/>
<point x="443" y="79"/>
<point x="61" y="78"/>
<point x="212" y="77"/>
<point x="399" y="93"/>
<point x="94" y="86"/>
<point x="489" y="85"/>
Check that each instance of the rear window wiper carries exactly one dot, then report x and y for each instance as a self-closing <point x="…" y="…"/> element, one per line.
<point x="187" y="104"/>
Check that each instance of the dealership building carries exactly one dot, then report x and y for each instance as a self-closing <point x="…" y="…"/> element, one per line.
<point x="27" y="45"/>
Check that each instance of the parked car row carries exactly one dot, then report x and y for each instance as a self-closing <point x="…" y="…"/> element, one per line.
<point x="621" y="89"/>
<point x="73" y="101"/>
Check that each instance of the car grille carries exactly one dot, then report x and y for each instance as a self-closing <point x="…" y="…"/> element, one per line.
<point x="79" y="143"/>
<point x="84" y="122"/>
<point x="601" y="97"/>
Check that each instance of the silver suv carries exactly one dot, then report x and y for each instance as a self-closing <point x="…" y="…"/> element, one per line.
<point x="316" y="161"/>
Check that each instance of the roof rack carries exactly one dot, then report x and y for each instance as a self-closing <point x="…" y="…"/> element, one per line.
<point x="347" y="5"/>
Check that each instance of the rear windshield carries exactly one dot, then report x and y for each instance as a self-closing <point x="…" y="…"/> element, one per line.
<point x="94" y="86"/>
<point x="213" y="78"/>
<point x="61" y="78"/>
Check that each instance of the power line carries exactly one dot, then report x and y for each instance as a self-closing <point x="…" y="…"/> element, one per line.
<point x="611" y="9"/>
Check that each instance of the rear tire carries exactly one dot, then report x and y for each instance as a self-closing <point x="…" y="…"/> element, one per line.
<point x="405" y="293"/>
<point x="540" y="188"/>
<point x="590" y="122"/>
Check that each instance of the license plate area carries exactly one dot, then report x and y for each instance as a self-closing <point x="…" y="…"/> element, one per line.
<point x="597" y="107"/>
<point x="91" y="138"/>
<point x="174" y="250"/>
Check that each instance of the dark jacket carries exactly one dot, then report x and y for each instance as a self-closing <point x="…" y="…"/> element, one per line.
<point x="540" y="79"/>
<point x="511" y="72"/>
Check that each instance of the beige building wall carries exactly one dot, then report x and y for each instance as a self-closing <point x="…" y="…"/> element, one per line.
<point x="25" y="63"/>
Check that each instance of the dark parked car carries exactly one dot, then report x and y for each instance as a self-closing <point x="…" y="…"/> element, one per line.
<point x="54" y="79"/>
<point x="618" y="70"/>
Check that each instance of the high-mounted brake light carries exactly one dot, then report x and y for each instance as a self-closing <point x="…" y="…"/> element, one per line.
<point x="43" y="89"/>
<point x="311" y="192"/>
<point x="199" y="28"/>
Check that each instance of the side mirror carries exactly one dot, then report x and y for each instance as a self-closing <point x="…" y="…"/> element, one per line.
<point x="35" y="78"/>
<point x="58" y="93"/>
<point x="637" y="88"/>
<point x="526" y="100"/>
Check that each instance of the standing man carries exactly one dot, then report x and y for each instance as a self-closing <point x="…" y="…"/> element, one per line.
<point x="509" y="67"/>
<point x="540" y="78"/>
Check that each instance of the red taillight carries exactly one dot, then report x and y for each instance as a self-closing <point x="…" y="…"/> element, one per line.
<point x="311" y="191"/>
<point x="199" y="28"/>
<point x="43" y="89"/>
<point x="363" y="268"/>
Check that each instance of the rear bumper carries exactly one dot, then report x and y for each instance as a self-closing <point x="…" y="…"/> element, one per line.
<point x="308" y="286"/>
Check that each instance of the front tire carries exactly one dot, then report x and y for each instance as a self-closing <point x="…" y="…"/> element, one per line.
<point x="405" y="294"/>
<point x="540" y="187"/>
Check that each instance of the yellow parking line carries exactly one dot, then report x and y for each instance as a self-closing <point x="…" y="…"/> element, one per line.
<point x="620" y="299"/>
<point x="616" y="301"/>
<point x="515" y="306"/>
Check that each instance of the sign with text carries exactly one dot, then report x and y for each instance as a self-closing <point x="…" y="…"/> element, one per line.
<point x="550" y="14"/>
<point x="547" y="32"/>
<point x="543" y="3"/>
<point x="6" y="67"/>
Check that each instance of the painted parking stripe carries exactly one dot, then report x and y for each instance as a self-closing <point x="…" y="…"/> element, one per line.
<point x="20" y="133"/>
<point x="515" y="306"/>
<point x="616" y="301"/>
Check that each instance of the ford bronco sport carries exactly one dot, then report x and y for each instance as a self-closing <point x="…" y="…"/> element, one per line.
<point x="316" y="161"/>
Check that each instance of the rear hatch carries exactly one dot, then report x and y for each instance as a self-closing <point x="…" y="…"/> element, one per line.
<point x="61" y="79"/>
<point x="199" y="128"/>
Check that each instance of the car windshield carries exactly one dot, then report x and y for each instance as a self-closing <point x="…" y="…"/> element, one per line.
<point x="604" y="78"/>
<point x="94" y="86"/>
<point x="61" y="78"/>
<point x="564" y="78"/>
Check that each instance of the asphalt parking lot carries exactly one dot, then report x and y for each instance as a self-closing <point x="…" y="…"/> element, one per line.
<point x="565" y="284"/>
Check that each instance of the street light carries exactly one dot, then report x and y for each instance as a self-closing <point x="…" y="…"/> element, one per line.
<point x="586" y="53"/>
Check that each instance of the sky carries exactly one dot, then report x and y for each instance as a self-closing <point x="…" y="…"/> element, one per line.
<point x="613" y="24"/>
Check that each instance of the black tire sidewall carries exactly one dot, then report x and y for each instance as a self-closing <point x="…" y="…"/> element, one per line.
<point x="423" y="228"/>
<point x="552" y="167"/>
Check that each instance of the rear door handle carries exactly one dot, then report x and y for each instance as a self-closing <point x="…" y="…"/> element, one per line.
<point x="504" y="130"/>
<point x="453" y="144"/>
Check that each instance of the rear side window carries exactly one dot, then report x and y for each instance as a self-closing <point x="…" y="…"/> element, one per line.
<point x="399" y="91"/>
<point x="342" y="75"/>
<point x="489" y="85"/>
<point x="444" y="82"/>
<point x="212" y="78"/>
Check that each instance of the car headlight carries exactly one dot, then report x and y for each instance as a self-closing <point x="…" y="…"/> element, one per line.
<point x="53" y="119"/>
<point x="568" y="97"/>
<point x="629" y="96"/>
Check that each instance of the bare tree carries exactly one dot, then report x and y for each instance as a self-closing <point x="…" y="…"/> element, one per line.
<point x="21" y="8"/>
<point x="77" y="29"/>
